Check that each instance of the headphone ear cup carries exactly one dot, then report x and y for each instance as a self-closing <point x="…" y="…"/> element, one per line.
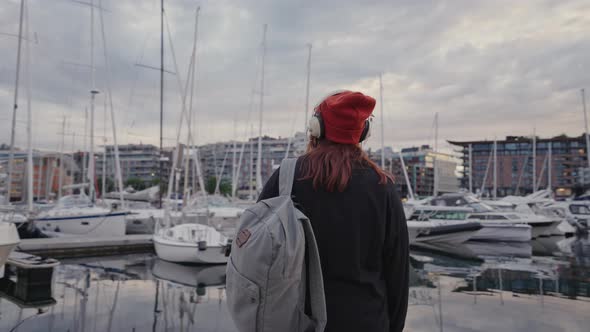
<point x="316" y="126"/>
<point x="366" y="131"/>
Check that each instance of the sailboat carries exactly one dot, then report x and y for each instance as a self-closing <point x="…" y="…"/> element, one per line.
<point x="79" y="214"/>
<point x="188" y="242"/>
<point x="9" y="238"/>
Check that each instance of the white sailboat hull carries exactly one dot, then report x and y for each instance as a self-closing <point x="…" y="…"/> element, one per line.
<point x="95" y="225"/>
<point x="8" y="241"/>
<point x="503" y="232"/>
<point x="180" y="244"/>
<point x="143" y="221"/>
<point x="140" y="225"/>
<point x="188" y="253"/>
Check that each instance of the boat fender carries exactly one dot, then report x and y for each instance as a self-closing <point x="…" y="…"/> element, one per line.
<point x="202" y="245"/>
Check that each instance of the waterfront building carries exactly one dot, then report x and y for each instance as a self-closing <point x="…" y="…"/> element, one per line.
<point x="554" y="162"/>
<point x="138" y="162"/>
<point x="420" y="165"/>
<point x="223" y="158"/>
<point x="46" y="166"/>
<point x="141" y="161"/>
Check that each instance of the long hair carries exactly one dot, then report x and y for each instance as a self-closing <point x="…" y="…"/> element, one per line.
<point x="330" y="164"/>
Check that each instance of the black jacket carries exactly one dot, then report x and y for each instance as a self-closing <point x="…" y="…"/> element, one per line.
<point x="363" y="243"/>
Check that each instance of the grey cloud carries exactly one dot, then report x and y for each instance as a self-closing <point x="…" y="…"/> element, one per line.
<point x="490" y="68"/>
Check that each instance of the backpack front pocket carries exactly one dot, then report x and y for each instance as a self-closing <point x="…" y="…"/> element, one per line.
<point x="243" y="299"/>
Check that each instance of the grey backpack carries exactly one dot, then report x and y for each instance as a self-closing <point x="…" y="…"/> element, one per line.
<point x="268" y="275"/>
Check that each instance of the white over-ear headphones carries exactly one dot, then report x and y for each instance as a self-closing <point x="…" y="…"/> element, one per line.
<point x="316" y="123"/>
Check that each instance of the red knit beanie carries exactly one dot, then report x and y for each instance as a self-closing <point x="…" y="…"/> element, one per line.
<point x="344" y="116"/>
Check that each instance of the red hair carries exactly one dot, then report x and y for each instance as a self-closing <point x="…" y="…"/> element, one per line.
<point x="330" y="164"/>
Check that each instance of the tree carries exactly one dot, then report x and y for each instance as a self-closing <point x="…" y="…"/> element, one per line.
<point x="224" y="186"/>
<point x="137" y="184"/>
<point x="110" y="185"/>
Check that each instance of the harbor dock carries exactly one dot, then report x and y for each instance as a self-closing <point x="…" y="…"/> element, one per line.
<point x="65" y="247"/>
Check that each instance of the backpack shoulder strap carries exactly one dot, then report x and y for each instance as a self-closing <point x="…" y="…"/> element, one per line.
<point x="315" y="281"/>
<point x="286" y="176"/>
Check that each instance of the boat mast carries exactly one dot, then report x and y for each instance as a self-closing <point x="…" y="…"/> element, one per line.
<point x="583" y="92"/>
<point x="61" y="159"/>
<point x="118" y="174"/>
<point x="549" y="165"/>
<point x="485" y="176"/>
<point x="307" y="89"/>
<point x="85" y="147"/>
<point x="174" y="171"/>
<point x="104" y="153"/>
<point x="15" y="104"/>
<point x="434" y="161"/>
<point x="403" y="164"/>
<point x="520" y="176"/>
<point x="251" y="167"/>
<point x="190" y="109"/>
<point x="30" y="169"/>
<point x="382" y="121"/>
<point x="534" y="159"/>
<point x="259" y="160"/>
<point x="93" y="93"/>
<point x="220" y="173"/>
<point x="495" y="173"/>
<point x="542" y="173"/>
<point x="160" y="166"/>
<point x="234" y="173"/>
<point x="306" y="104"/>
<point x="40" y="177"/>
<point x="470" y="170"/>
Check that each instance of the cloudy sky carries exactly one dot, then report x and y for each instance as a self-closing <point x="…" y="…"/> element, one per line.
<point x="490" y="68"/>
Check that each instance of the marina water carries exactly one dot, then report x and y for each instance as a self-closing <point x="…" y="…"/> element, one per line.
<point x="543" y="285"/>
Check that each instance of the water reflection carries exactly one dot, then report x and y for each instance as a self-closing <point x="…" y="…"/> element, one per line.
<point x="180" y="289"/>
<point x="542" y="286"/>
<point x="131" y="293"/>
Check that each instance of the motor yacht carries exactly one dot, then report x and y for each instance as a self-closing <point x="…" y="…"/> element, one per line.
<point x="439" y="224"/>
<point x="502" y="225"/>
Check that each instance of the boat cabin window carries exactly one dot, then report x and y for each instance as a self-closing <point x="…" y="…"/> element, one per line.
<point x="422" y="215"/>
<point x="448" y="201"/>
<point x="477" y="216"/>
<point x="481" y="207"/>
<point x="73" y="201"/>
<point x="579" y="209"/>
<point x="496" y="217"/>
